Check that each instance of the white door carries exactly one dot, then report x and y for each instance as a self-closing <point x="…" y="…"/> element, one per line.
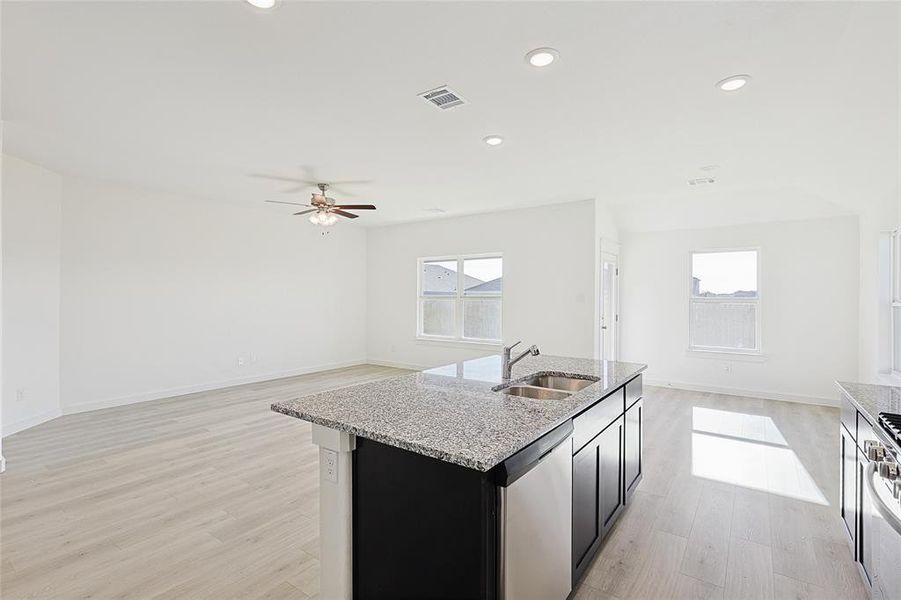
<point x="609" y="337"/>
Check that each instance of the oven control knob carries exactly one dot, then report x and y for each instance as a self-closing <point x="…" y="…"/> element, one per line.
<point x="874" y="450"/>
<point x="888" y="470"/>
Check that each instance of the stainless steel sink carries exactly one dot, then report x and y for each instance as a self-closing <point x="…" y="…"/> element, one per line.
<point x="557" y="382"/>
<point x="536" y="393"/>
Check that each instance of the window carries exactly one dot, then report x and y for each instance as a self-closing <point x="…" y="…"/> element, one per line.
<point x="724" y="302"/>
<point x="896" y="302"/>
<point x="460" y="298"/>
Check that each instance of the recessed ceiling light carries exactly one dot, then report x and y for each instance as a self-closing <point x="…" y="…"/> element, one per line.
<point x="734" y="83"/>
<point x="493" y="140"/>
<point x="542" y="57"/>
<point x="262" y="3"/>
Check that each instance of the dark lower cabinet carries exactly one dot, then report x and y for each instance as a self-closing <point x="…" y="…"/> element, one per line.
<point x="848" y="475"/>
<point x="632" y="453"/>
<point x="422" y="528"/>
<point x="864" y="519"/>
<point x="597" y="493"/>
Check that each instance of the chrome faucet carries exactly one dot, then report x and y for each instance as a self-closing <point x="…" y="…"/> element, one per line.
<point x="508" y="362"/>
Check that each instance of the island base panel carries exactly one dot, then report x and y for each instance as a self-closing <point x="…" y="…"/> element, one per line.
<point x="422" y="528"/>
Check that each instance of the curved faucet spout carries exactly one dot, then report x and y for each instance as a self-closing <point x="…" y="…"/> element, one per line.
<point x="507" y="366"/>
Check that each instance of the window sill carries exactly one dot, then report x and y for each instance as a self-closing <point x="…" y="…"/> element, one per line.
<point x="455" y="343"/>
<point x="725" y="355"/>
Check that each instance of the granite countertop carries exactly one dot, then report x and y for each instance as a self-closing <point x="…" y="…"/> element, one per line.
<point x="872" y="399"/>
<point x="451" y="413"/>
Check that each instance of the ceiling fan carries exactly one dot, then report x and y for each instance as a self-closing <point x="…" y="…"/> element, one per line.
<point x="325" y="211"/>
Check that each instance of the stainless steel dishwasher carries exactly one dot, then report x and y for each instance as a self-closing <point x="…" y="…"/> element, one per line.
<point x="535" y="516"/>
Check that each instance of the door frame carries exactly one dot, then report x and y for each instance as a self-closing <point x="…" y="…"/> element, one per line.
<point x="605" y="246"/>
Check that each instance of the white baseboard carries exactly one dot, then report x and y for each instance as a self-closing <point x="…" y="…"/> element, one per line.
<point x="398" y="365"/>
<point x="22" y="424"/>
<point x="819" y="401"/>
<point x="204" y="387"/>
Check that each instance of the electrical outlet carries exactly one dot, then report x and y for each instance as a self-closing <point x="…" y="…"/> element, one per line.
<point x="241" y="361"/>
<point x="727" y="367"/>
<point x="330" y="465"/>
<point x="20" y="395"/>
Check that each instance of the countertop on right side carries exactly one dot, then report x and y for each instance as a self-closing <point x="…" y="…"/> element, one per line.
<point x="872" y="399"/>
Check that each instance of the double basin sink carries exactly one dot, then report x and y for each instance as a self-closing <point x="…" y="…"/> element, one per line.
<point x="546" y="387"/>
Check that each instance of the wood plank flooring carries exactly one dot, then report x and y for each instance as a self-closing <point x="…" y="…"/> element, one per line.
<point x="213" y="496"/>
<point x="739" y="501"/>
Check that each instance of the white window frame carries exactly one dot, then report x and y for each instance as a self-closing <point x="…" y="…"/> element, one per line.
<point x="458" y="336"/>
<point x="895" y="269"/>
<point x="758" y="351"/>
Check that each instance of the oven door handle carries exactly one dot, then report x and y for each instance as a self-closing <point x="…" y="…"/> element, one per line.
<point x="884" y="511"/>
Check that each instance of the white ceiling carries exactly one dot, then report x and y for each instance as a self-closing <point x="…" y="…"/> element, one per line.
<point x="196" y="97"/>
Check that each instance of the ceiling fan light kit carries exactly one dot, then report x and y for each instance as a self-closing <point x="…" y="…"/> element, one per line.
<point x="325" y="211"/>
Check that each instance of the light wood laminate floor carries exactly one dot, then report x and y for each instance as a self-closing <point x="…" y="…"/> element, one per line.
<point x="213" y="496"/>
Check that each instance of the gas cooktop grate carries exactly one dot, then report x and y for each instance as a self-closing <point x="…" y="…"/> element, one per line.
<point x="892" y="424"/>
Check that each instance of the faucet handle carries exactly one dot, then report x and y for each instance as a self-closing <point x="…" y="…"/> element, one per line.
<point x="511" y="347"/>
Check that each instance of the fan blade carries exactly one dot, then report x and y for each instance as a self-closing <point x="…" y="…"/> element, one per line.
<point x="350" y="182"/>
<point x="303" y="212"/>
<point x="282" y="202"/>
<point x="282" y="178"/>
<point x="356" y="206"/>
<point x="344" y="214"/>
<point x="338" y="186"/>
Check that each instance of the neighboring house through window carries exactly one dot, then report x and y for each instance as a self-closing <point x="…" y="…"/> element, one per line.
<point x="460" y="298"/>
<point x="724" y="301"/>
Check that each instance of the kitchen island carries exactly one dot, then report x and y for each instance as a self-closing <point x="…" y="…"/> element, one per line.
<point x="430" y="483"/>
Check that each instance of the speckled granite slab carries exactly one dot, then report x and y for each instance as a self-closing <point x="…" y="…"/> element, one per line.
<point x="452" y="414"/>
<point x="873" y="399"/>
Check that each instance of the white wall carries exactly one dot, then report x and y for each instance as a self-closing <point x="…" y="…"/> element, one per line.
<point x="809" y="308"/>
<point x="548" y="280"/>
<point x="31" y="294"/>
<point x="163" y="295"/>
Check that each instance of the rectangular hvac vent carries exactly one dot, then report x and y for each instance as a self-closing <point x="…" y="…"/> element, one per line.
<point x="443" y="98"/>
<point x="702" y="181"/>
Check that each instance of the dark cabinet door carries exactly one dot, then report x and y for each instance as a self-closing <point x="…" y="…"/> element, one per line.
<point x="864" y="519"/>
<point x="848" y="485"/>
<point x="611" y="479"/>
<point x="632" y="454"/>
<point x="597" y="493"/>
<point x="586" y="517"/>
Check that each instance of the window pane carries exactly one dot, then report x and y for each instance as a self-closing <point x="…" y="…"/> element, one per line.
<point x="724" y="274"/>
<point x="483" y="276"/>
<point x="438" y="317"/>
<point x="731" y="325"/>
<point x="439" y="278"/>
<point x="896" y="341"/>
<point x="482" y="319"/>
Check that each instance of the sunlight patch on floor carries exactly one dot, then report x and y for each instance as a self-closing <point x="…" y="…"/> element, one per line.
<point x="748" y="451"/>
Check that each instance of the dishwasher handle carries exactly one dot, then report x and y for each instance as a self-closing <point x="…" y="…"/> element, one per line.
<point x="522" y="462"/>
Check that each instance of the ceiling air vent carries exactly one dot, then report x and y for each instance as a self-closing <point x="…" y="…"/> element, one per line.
<point x="702" y="181"/>
<point x="443" y="98"/>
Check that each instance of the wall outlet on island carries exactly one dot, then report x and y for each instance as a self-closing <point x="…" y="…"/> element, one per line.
<point x="330" y="465"/>
<point x="20" y="395"/>
<point x="727" y="367"/>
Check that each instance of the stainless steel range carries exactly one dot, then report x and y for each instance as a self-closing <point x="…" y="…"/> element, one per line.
<point x="881" y="508"/>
